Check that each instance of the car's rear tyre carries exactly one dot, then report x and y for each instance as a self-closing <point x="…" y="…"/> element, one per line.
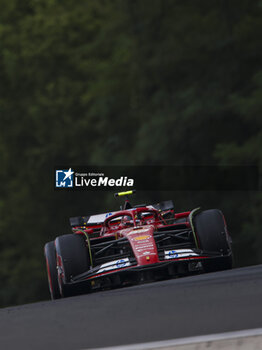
<point x="72" y="259"/>
<point x="211" y="230"/>
<point x="50" y="256"/>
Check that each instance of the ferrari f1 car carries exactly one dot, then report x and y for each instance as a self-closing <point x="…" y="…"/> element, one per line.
<point x="134" y="245"/>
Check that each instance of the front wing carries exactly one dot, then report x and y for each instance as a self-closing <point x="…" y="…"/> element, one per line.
<point x="129" y="273"/>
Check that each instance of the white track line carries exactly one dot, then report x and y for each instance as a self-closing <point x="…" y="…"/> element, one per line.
<point x="187" y="341"/>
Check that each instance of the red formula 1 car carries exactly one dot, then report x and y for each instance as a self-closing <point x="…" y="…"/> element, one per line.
<point x="135" y="245"/>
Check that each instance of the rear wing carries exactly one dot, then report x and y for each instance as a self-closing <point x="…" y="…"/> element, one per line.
<point x="90" y="221"/>
<point x="164" y="206"/>
<point x="98" y="219"/>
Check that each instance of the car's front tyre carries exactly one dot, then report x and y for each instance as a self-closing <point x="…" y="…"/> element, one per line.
<point x="50" y="257"/>
<point x="213" y="237"/>
<point x="72" y="259"/>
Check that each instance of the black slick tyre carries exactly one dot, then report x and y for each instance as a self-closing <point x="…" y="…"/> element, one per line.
<point x="73" y="259"/>
<point x="211" y="230"/>
<point x="50" y="256"/>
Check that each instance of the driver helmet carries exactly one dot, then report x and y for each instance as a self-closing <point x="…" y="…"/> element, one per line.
<point x="127" y="221"/>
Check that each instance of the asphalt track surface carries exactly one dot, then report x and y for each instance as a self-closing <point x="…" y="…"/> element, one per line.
<point x="189" y="306"/>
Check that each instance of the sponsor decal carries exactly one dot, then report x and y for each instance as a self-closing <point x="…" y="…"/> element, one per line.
<point x="112" y="265"/>
<point x="99" y="217"/>
<point x="141" y="238"/>
<point x="139" y="230"/>
<point x="121" y="263"/>
<point x="147" y="247"/>
<point x="179" y="253"/>
<point x="173" y="254"/>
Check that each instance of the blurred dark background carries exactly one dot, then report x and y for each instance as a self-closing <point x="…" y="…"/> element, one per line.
<point x="122" y="82"/>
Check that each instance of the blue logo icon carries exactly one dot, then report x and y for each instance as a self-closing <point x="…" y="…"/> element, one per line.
<point x="173" y="254"/>
<point x="121" y="263"/>
<point x="64" y="178"/>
